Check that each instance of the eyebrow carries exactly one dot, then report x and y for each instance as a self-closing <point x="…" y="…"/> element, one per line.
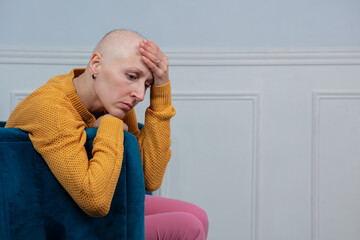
<point x="135" y="69"/>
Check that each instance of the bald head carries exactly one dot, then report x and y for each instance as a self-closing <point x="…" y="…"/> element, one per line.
<point x="118" y="43"/>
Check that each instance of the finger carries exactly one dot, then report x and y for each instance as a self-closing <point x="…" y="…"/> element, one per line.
<point x="150" y="56"/>
<point x="152" y="66"/>
<point x="161" y="56"/>
<point x="151" y="47"/>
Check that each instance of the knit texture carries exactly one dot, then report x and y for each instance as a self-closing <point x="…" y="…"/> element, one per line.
<point x="55" y="119"/>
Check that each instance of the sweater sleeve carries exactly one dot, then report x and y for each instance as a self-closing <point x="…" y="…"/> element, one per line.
<point x="154" y="138"/>
<point x="58" y="134"/>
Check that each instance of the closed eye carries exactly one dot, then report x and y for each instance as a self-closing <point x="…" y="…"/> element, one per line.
<point x="131" y="76"/>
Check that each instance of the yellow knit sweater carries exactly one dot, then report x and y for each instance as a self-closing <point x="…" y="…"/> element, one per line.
<point x="55" y="119"/>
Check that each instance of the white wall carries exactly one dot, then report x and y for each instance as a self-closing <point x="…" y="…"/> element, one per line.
<point x="197" y="24"/>
<point x="266" y="92"/>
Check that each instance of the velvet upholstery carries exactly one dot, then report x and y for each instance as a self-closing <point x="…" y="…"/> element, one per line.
<point x="140" y="126"/>
<point x="33" y="205"/>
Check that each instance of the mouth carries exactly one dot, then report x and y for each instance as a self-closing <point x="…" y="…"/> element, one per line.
<point x="127" y="106"/>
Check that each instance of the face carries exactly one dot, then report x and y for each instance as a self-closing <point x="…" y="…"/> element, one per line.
<point x="121" y="83"/>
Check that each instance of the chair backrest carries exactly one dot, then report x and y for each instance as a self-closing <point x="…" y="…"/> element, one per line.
<point x="35" y="206"/>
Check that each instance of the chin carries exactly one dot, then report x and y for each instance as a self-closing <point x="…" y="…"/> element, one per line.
<point x="118" y="114"/>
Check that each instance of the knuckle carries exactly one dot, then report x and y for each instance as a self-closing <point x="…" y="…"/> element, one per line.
<point x="166" y="60"/>
<point x="160" y="74"/>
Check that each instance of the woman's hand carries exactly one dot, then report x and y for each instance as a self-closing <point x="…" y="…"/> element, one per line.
<point x="97" y="123"/>
<point x="156" y="61"/>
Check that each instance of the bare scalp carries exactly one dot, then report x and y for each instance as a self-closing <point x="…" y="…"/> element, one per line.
<point x="118" y="43"/>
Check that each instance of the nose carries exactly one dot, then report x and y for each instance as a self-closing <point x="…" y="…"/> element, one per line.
<point x="139" y="93"/>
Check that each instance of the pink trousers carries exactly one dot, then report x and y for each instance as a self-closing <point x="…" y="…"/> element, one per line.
<point x="174" y="219"/>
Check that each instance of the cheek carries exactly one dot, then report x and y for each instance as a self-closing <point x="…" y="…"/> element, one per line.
<point x="109" y="89"/>
<point x="104" y="81"/>
<point x="114" y="80"/>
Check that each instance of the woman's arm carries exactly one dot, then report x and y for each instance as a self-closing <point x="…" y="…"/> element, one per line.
<point x="154" y="138"/>
<point x="57" y="133"/>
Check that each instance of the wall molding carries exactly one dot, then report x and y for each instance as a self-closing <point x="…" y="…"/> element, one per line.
<point x="269" y="57"/>
<point x="213" y="96"/>
<point x="319" y="96"/>
<point x="16" y="97"/>
<point x="254" y="99"/>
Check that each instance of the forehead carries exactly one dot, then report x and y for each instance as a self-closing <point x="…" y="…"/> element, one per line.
<point x="133" y="62"/>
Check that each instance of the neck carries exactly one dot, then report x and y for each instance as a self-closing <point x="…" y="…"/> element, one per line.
<point x="84" y="86"/>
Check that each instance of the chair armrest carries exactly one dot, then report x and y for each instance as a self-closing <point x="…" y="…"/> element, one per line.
<point x="33" y="205"/>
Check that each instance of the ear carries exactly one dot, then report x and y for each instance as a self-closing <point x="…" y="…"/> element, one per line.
<point x="95" y="63"/>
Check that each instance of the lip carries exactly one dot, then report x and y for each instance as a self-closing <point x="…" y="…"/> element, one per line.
<point x="127" y="106"/>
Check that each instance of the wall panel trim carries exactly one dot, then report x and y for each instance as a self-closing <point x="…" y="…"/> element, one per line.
<point x="269" y="57"/>
<point x="16" y="98"/>
<point x="254" y="99"/>
<point x="318" y="97"/>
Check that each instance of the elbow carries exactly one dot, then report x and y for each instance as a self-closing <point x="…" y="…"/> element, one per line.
<point x="152" y="187"/>
<point x="99" y="209"/>
<point x="153" y="181"/>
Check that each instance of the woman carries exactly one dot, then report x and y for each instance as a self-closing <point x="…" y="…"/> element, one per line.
<point x="121" y="68"/>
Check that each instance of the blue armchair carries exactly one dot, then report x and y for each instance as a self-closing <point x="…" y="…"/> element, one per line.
<point x="33" y="205"/>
